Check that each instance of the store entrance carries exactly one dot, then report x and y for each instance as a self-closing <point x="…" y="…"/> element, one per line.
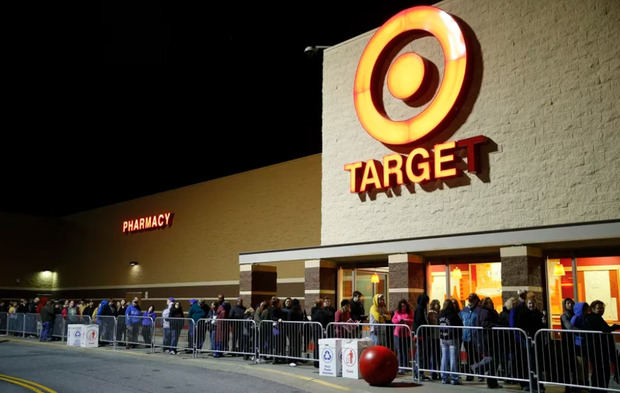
<point x="484" y="279"/>
<point x="368" y="280"/>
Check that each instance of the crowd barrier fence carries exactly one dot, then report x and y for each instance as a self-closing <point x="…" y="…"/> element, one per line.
<point x="570" y="358"/>
<point x="174" y="334"/>
<point x="107" y="329"/>
<point x="226" y="336"/>
<point x="494" y="353"/>
<point x="138" y="330"/>
<point x="577" y="359"/>
<point x="4" y="324"/>
<point x="292" y="340"/>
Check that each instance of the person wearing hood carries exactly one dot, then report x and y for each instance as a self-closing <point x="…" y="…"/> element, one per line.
<point x="578" y="321"/>
<point x="567" y="306"/>
<point x="195" y="313"/>
<point x="105" y="320"/>
<point x="166" y="324"/>
<point x="378" y="315"/>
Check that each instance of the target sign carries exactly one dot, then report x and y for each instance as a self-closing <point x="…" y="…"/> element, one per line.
<point x="407" y="74"/>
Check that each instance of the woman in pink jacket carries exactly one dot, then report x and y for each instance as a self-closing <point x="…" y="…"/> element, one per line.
<point x="402" y="336"/>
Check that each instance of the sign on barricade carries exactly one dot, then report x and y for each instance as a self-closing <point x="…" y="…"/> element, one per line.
<point x="579" y="359"/>
<point x="174" y="334"/>
<point x="494" y="353"/>
<point x="330" y="357"/>
<point x="221" y="336"/>
<point x="137" y="330"/>
<point x="293" y="340"/>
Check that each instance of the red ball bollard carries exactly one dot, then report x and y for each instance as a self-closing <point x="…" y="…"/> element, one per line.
<point x="378" y="365"/>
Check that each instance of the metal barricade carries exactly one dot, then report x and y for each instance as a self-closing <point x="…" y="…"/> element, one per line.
<point x="138" y="331"/>
<point x="397" y="337"/>
<point x="107" y="329"/>
<point x="59" y="329"/>
<point x="174" y="334"/>
<point x="15" y="324"/>
<point x="60" y="325"/>
<point x="293" y="340"/>
<point x="221" y="336"/>
<point x="4" y="323"/>
<point x="493" y="353"/>
<point x="32" y="324"/>
<point x="578" y="359"/>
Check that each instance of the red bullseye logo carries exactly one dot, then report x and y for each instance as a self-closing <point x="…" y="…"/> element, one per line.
<point x="406" y="75"/>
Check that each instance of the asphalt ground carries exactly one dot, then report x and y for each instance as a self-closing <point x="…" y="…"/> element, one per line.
<point x="56" y="368"/>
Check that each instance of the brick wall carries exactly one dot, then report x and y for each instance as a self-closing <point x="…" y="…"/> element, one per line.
<point x="547" y="95"/>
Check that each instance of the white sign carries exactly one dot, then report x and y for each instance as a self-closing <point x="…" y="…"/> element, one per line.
<point x="330" y="357"/>
<point x="351" y="352"/>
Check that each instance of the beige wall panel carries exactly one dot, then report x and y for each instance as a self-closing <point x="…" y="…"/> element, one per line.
<point x="548" y="97"/>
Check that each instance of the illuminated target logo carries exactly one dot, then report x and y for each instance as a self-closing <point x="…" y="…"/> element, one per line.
<point x="407" y="74"/>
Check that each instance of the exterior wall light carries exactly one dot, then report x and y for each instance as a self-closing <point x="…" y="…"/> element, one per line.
<point x="133" y="263"/>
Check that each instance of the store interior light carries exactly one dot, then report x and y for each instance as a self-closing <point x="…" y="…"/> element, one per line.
<point x="374" y="278"/>
<point x="456" y="274"/>
<point x="558" y="270"/>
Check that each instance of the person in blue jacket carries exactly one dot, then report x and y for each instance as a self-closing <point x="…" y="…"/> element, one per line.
<point x="147" y="324"/>
<point x="133" y="317"/>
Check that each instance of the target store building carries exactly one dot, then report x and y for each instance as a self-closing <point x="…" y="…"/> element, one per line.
<point x="467" y="147"/>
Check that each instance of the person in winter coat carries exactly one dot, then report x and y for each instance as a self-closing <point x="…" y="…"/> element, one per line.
<point x="133" y="322"/>
<point x="47" y="320"/>
<point x="469" y="316"/>
<point x="278" y="334"/>
<point x="211" y="324"/>
<point x="450" y="343"/>
<point x="148" y="318"/>
<point x="176" y="325"/>
<point x="420" y="318"/>
<point x="487" y="342"/>
<point x="295" y="333"/>
<point x="378" y="315"/>
<point x="530" y="320"/>
<point x="403" y="315"/>
<point x="121" y="321"/>
<point x="600" y="346"/>
<point x="435" y="349"/>
<point x="343" y="315"/>
<point x="221" y="329"/>
<point x="567" y="315"/>
<point x="195" y="313"/>
<point x="165" y="314"/>
<point x="247" y="341"/>
<point x="105" y="320"/>
<point x="237" y="312"/>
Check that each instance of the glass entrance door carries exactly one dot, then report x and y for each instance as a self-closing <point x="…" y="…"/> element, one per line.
<point x="361" y="279"/>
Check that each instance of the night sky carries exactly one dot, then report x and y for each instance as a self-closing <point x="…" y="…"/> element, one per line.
<point x="154" y="95"/>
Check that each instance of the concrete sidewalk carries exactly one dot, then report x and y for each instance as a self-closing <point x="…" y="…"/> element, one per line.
<point x="303" y="377"/>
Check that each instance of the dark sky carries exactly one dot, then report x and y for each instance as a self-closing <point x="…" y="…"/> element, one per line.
<point x="155" y="95"/>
